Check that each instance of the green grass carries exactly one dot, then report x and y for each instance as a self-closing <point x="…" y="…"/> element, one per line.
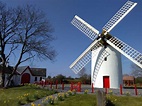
<point x="90" y="100"/>
<point x="78" y="100"/>
<point x="126" y="100"/>
<point x="22" y="95"/>
<point x="26" y="94"/>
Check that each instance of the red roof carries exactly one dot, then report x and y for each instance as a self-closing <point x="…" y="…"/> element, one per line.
<point x="128" y="78"/>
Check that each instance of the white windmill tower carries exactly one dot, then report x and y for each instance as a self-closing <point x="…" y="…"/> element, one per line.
<point x="105" y="51"/>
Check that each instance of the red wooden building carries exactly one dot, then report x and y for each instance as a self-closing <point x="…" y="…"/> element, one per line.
<point x="128" y="80"/>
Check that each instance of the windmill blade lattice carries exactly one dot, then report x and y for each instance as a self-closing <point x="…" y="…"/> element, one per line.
<point x="84" y="27"/>
<point x="126" y="50"/>
<point x="82" y="62"/>
<point x="124" y="10"/>
<point x="84" y="58"/>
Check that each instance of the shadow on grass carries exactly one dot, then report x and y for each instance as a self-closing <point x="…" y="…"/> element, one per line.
<point x="109" y="103"/>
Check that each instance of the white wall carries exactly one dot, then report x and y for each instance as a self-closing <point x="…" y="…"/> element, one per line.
<point x="32" y="78"/>
<point x="112" y="68"/>
<point x="17" y="78"/>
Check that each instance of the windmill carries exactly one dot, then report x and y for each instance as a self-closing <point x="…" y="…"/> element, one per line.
<point x="105" y="51"/>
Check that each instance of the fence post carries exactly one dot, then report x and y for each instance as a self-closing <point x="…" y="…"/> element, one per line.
<point x="56" y="83"/>
<point x="50" y="84"/>
<point x="106" y="90"/>
<point x="79" y="86"/>
<point x="71" y="87"/>
<point x="92" y="88"/>
<point x="42" y="83"/>
<point x="46" y="82"/>
<point x="120" y="89"/>
<point x="136" y="92"/>
<point x="62" y="86"/>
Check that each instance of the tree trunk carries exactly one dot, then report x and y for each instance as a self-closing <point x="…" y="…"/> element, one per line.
<point x="2" y="76"/>
<point x="8" y="81"/>
<point x="1" y="80"/>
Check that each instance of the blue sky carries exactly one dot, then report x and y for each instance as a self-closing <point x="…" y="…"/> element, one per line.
<point x="70" y="42"/>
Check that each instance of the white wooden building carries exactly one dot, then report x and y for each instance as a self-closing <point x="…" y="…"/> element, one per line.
<point x="25" y="74"/>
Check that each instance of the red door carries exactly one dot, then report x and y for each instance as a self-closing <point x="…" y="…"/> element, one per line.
<point x="106" y="83"/>
<point x="25" y="78"/>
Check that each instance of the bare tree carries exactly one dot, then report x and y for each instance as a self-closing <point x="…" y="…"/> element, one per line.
<point x="82" y="72"/>
<point x="84" y="77"/>
<point x="136" y="71"/>
<point x="9" y="20"/>
<point x="27" y="30"/>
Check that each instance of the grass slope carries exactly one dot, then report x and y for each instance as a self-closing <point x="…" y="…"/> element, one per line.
<point x="78" y="100"/>
<point x="127" y="101"/>
<point x="90" y="100"/>
<point x="23" y="94"/>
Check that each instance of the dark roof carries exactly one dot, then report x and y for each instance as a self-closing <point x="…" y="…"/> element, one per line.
<point x="38" y="71"/>
<point x="7" y="70"/>
<point x="34" y="71"/>
<point x="21" y="69"/>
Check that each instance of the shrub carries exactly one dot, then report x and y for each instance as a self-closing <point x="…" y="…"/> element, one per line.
<point x="21" y="100"/>
<point x="110" y="100"/>
<point x="110" y="92"/>
<point x="65" y="95"/>
<point x="127" y="93"/>
<point x="60" y="96"/>
<point x="69" y="93"/>
<point x="74" y="92"/>
<point x="86" y="91"/>
<point x="51" y="100"/>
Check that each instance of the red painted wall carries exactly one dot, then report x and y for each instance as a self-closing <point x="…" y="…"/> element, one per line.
<point x="25" y="78"/>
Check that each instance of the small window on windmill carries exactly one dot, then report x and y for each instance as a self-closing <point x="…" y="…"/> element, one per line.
<point x="105" y="59"/>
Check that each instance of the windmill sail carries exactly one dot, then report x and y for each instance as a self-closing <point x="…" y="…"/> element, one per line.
<point x="126" y="50"/>
<point x="85" y="57"/>
<point x="124" y="10"/>
<point x="99" y="54"/>
<point x="83" y="26"/>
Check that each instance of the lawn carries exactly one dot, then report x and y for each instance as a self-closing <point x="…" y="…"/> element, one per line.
<point x="125" y="100"/>
<point x="78" y="100"/>
<point x="22" y="95"/>
<point x="27" y="94"/>
<point x="90" y="100"/>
